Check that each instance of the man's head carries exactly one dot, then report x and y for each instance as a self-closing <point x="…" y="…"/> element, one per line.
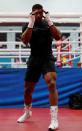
<point x="37" y="9"/>
<point x="37" y="6"/>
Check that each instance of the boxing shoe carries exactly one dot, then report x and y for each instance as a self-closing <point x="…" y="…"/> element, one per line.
<point x="27" y="114"/>
<point x="53" y="125"/>
<point x="54" y="122"/>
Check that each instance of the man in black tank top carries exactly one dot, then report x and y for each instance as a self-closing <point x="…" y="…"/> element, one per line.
<point x="39" y="34"/>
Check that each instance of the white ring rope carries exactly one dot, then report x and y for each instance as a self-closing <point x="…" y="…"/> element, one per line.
<point x="55" y="42"/>
<point x="20" y="31"/>
<point x="25" y="15"/>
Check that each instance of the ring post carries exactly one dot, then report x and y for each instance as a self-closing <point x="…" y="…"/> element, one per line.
<point x="81" y="41"/>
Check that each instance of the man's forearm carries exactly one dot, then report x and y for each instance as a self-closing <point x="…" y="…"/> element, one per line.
<point x="26" y="36"/>
<point x="55" y="32"/>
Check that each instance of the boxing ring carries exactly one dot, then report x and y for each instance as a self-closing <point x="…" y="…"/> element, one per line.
<point x="69" y="78"/>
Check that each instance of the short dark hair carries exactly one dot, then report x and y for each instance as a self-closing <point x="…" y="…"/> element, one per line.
<point x="37" y="6"/>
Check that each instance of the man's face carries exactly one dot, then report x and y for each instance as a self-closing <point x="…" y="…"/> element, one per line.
<point x="38" y="14"/>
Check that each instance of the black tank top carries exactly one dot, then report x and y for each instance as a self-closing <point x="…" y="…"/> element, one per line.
<point x="41" y="40"/>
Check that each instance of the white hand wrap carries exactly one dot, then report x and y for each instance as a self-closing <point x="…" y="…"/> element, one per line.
<point x="31" y="21"/>
<point x="47" y="18"/>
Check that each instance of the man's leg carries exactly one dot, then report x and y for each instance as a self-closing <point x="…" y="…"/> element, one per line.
<point x="50" y="79"/>
<point x="29" y="87"/>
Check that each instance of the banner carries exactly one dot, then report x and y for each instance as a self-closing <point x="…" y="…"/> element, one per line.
<point x="69" y="81"/>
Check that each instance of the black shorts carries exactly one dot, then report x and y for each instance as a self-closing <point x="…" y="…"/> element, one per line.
<point x="39" y="65"/>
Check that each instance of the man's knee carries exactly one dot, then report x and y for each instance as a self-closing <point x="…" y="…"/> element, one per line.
<point x="52" y="85"/>
<point x="50" y="79"/>
<point x="29" y="87"/>
<point x="28" y="90"/>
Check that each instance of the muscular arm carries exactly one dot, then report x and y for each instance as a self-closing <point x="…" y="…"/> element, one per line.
<point x="55" y="32"/>
<point x="26" y="36"/>
<point x="27" y="32"/>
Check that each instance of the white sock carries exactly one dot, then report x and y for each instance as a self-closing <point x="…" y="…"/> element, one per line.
<point x="54" y="122"/>
<point x="54" y="108"/>
<point x="53" y="111"/>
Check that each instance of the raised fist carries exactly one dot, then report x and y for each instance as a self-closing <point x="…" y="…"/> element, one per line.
<point x="31" y="20"/>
